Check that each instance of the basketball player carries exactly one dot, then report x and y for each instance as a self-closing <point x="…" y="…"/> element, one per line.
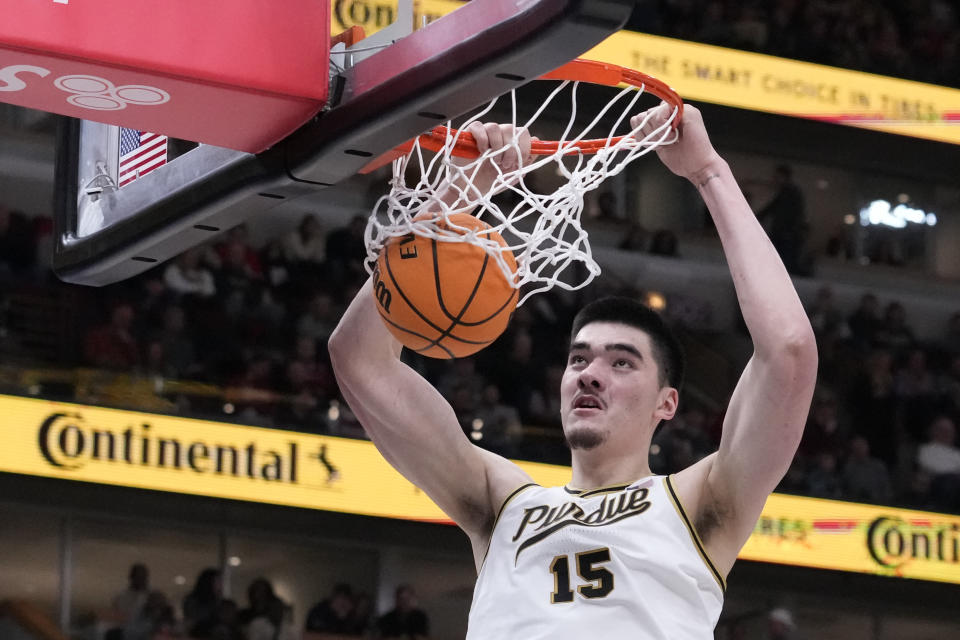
<point x="618" y="552"/>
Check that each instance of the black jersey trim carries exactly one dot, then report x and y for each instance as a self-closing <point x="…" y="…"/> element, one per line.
<point x="697" y="542"/>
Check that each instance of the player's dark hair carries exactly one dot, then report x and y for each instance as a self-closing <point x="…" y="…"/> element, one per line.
<point x="666" y="348"/>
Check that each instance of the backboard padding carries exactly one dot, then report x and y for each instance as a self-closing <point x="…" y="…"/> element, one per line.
<point x="481" y="50"/>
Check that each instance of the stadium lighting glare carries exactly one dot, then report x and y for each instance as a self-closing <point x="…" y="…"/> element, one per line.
<point x="880" y="212"/>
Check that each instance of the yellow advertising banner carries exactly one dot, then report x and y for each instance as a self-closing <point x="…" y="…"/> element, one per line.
<point x="197" y="457"/>
<point x="800" y="89"/>
<point x="737" y="78"/>
<point x="845" y="536"/>
<point x="374" y="15"/>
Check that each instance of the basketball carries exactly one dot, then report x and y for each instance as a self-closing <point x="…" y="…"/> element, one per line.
<point x="444" y="299"/>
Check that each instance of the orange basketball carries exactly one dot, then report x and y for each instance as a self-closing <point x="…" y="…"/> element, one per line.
<point x="443" y="299"/>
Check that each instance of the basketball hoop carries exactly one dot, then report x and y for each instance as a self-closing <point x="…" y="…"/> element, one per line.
<point x="543" y="231"/>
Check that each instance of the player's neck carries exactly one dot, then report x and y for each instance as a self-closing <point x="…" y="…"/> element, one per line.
<point x="604" y="468"/>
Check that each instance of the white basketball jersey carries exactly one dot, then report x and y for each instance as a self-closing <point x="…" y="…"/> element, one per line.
<point x="612" y="563"/>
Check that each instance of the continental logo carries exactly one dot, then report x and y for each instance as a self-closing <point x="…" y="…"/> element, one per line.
<point x="69" y="443"/>
<point x="894" y="542"/>
<point x="373" y="16"/>
<point x="544" y="520"/>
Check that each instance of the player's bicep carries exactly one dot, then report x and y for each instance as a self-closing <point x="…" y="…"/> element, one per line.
<point x="417" y="432"/>
<point x="761" y="432"/>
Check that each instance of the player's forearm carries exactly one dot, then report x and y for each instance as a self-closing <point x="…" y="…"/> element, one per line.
<point x="361" y="339"/>
<point x="771" y="308"/>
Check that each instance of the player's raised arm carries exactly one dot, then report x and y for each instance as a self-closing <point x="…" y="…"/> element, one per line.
<point x="765" y="419"/>
<point x="413" y="426"/>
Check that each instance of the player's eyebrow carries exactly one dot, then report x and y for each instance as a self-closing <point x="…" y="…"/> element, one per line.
<point x="616" y="346"/>
<point x="621" y="346"/>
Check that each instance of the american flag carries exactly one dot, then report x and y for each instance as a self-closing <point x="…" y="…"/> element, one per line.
<point x="140" y="153"/>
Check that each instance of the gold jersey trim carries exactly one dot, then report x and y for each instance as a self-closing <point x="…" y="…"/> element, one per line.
<point x="513" y="494"/>
<point x="697" y="542"/>
<point x="589" y="493"/>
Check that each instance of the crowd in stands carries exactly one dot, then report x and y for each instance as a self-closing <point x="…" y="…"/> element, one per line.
<point x="917" y="40"/>
<point x="141" y="613"/>
<point x="255" y="323"/>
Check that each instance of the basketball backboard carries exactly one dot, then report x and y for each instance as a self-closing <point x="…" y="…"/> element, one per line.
<point x="106" y="233"/>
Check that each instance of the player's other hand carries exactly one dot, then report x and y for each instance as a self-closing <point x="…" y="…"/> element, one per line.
<point x="491" y="136"/>
<point x="692" y="153"/>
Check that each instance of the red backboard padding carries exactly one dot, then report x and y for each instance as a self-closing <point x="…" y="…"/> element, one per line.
<point x="241" y="74"/>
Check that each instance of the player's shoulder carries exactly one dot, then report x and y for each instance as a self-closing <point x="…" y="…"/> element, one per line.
<point x="691" y="487"/>
<point x="504" y="478"/>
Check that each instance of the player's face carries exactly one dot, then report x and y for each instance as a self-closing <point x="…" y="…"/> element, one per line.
<point x="611" y="386"/>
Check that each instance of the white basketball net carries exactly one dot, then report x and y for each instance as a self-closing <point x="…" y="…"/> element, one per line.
<point x="542" y="230"/>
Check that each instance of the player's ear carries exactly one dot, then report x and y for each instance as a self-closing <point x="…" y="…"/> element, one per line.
<point x="667" y="401"/>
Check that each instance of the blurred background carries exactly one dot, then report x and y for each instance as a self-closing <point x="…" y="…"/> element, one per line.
<point x="234" y="332"/>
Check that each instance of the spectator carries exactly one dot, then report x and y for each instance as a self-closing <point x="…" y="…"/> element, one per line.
<point x="464" y="405"/>
<point x="940" y="458"/>
<point x="113" y="345"/>
<point x="865" y="478"/>
<point x="457" y="373"/>
<point x="127" y="603"/>
<point x="916" y="389"/>
<point x="823" y="480"/>
<point x="178" y="346"/>
<point x="334" y="615"/>
<point x="237" y="250"/>
<point x="274" y="625"/>
<point x="951" y="340"/>
<point x="917" y="494"/>
<point x="155" y="617"/>
<point x="517" y="372"/>
<point x="750" y="29"/>
<point x="223" y="626"/>
<point x="151" y="299"/>
<point x="874" y="405"/>
<point x="346" y="252"/>
<point x="948" y="386"/>
<point x="864" y="322"/>
<point x="827" y="321"/>
<point x="260" y="599"/>
<point x="894" y="333"/>
<point x="785" y="219"/>
<point x="305" y="245"/>
<point x="186" y="276"/>
<point x="153" y="363"/>
<point x="681" y="441"/>
<point x="405" y="620"/>
<point x="363" y="623"/>
<point x="780" y="624"/>
<point x="823" y="433"/>
<point x="201" y="605"/>
<point x="544" y="405"/>
<point x="276" y="269"/>
<point x="500" y="423"/>
<point x="795" y="480"/>
<point x="715" y="28"/>
<point x="320" y="318"/>
<point x="830" y="329"/>
<point x="238" y="275"/>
